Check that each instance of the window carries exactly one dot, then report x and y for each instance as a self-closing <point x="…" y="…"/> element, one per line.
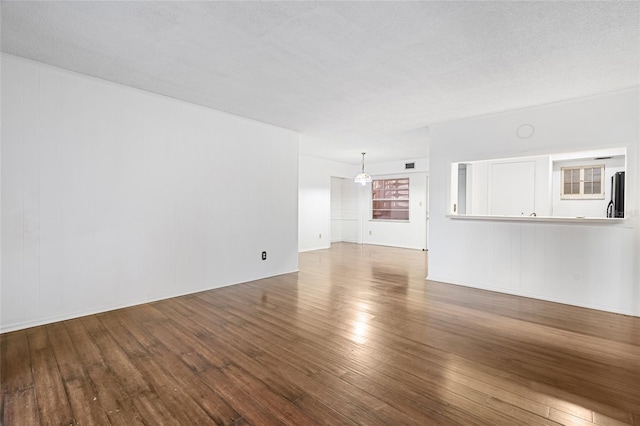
<point x="582" y="183"/>
<point x="390" y="199"/>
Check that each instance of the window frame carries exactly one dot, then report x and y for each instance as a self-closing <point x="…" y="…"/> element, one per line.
<point x="581" y="195"/>
<point x="386" y="188"/>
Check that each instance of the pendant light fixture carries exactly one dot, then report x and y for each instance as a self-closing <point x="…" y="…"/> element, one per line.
<point x="362" y="177"/>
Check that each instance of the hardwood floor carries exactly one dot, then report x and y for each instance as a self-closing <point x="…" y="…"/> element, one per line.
<point x="356" y="337"/>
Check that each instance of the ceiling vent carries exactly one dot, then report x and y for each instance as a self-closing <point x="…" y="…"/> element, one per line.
<point x="409" y="166"/>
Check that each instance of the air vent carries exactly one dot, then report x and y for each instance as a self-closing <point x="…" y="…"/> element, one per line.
<point x="409" y="165"/>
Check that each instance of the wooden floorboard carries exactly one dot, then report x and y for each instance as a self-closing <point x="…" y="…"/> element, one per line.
<point x="358" y="336"/>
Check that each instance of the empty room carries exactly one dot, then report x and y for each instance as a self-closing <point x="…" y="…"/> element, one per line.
<point x="312" y="212"/>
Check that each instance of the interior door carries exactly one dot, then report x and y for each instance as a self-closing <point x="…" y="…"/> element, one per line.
<point x="336" y="209"/>
<point x="426" y="237"/>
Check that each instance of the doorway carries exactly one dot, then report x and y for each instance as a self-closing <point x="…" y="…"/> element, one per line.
<point x="344" y="210"/>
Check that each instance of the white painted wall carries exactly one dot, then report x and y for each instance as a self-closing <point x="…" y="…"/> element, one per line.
<point x="590" y="208"/>
<point x="113" y="196"/>
<point x="411" y="234"/>
<point x="314" y="210"/>
<point x="396" y="167"/>
<point x="315" y="215"/>
<point x="591" y="265"/>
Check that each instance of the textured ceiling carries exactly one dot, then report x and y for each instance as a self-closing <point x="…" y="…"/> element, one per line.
<point x="351" y="76"/>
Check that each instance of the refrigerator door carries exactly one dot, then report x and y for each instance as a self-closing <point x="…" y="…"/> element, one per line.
<point x="618" y="194"/>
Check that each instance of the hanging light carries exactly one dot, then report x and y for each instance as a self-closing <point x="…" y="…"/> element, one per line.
<point x="362" y="177"/>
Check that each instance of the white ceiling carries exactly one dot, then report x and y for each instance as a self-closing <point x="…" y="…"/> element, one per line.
<point x="351" y="76"/>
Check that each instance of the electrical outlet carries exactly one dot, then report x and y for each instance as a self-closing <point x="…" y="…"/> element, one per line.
<point x="320" y="236"/>
<point x="264" y="255"/>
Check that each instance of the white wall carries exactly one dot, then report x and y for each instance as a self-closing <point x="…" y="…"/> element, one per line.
<point x="591" y="265"/>
<point x="590" y="208"/>
<point x="113" y="196"/>
<point x="315" y="204"/>
<point x="411" y="234"/>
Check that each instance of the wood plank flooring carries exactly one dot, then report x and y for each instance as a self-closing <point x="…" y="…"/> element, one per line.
<point x="358" y="336"/>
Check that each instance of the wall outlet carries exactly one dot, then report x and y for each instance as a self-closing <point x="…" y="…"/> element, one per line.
<point x="264" y="255"/>
<point x="320" y="236"/>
